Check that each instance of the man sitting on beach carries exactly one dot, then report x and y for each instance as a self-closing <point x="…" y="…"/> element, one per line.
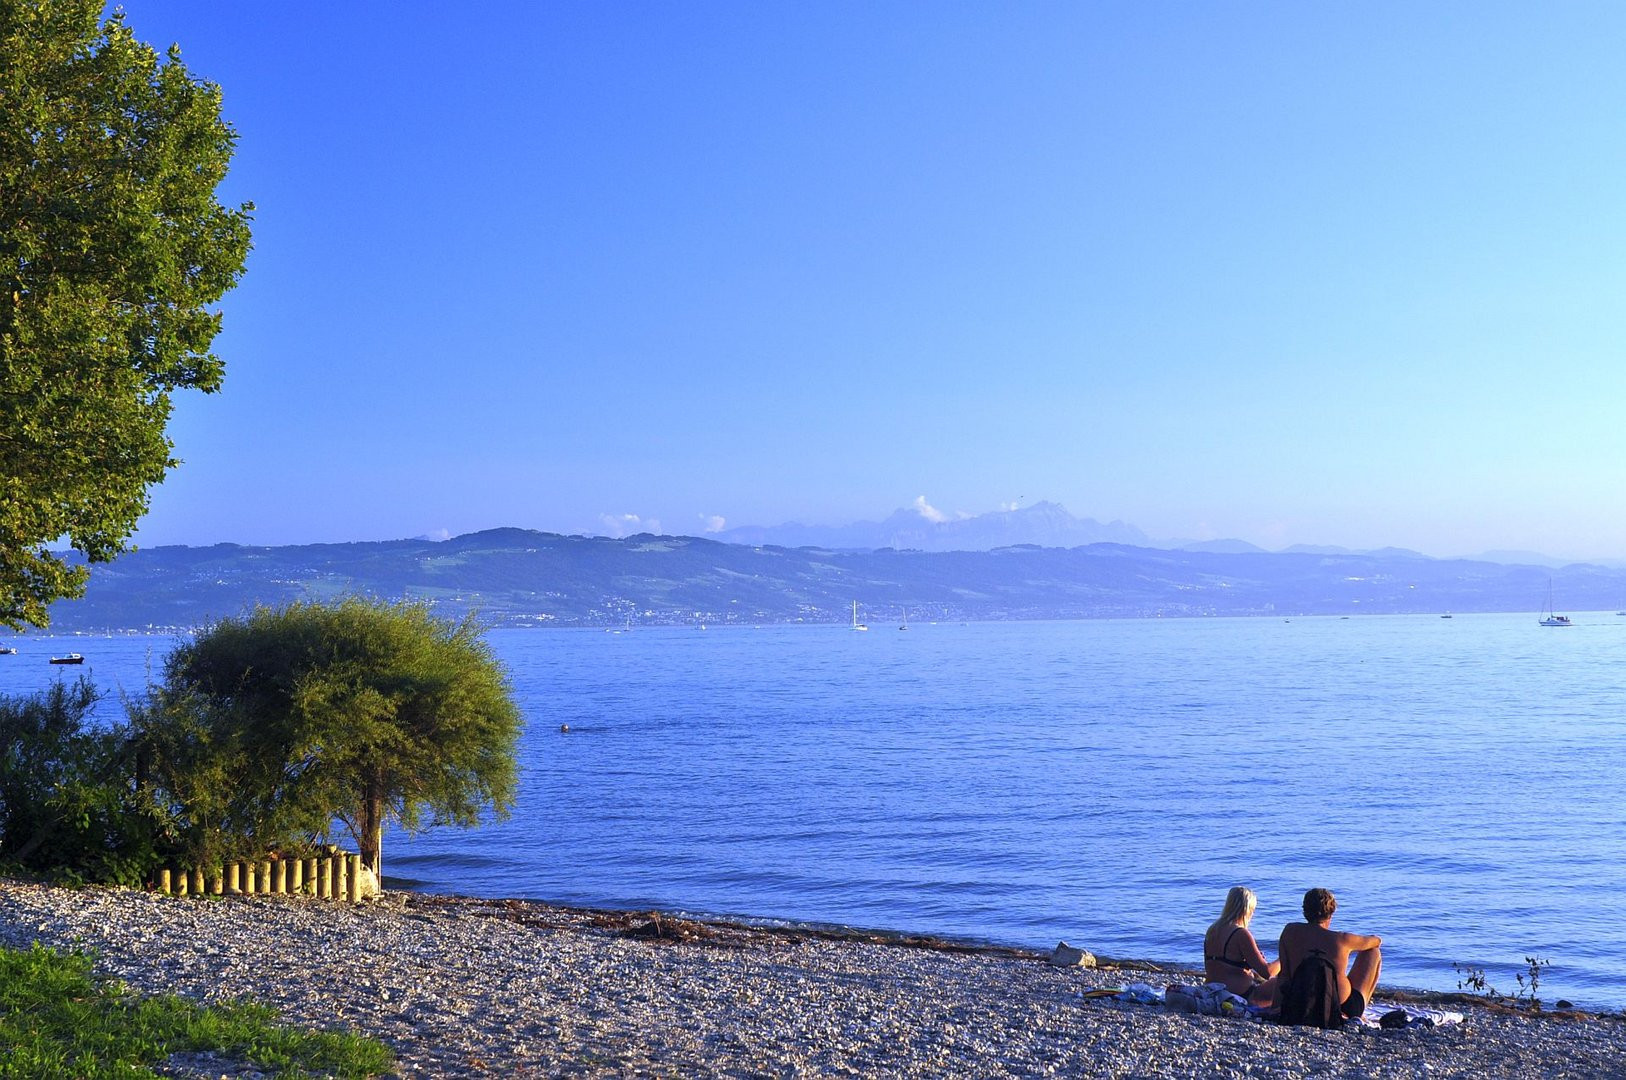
<point x="1312" y="939"/>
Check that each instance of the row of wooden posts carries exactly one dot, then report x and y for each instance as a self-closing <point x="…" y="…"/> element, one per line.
<point x="336" y="877"/>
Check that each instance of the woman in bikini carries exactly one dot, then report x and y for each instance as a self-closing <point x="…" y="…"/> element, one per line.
<point x="1231" y="955"/>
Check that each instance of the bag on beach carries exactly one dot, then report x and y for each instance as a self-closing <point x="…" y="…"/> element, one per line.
<point x="1310" y="997"/>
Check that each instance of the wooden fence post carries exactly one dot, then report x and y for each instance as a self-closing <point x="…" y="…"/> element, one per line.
<point x="326" y="889"/>
<point x="282" y="877"/>
<point x="248" y="878"/>
<point x="265" y="877"/>
<point x="341" y="875"/>
<point x="234" y="879"/>
<point x="163" y="881"/>
<point x="355" y="878"/>
<point x="310" y="875"/>
<point x="182" y="879"/>
<point x="217" y="882"/>
<point x="197" y="882"/>
<point x="296" y="877"/>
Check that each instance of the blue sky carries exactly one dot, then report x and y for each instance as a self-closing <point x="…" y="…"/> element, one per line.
<point x="1293" y="273"/>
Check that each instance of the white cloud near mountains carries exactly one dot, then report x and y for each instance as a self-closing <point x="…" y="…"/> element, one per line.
<point x="928" y="511"/>
<point x="932" y="514"/>
<point x="618" y="526"/>
<point x="715" y="523"/>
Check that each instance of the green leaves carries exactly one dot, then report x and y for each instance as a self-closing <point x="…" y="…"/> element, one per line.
<point x="67" y="807"/>
<point x="112" y="248"/>
<point x="271" y="726"/>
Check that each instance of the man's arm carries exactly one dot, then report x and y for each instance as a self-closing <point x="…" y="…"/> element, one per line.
<point x="1358" y="942"/>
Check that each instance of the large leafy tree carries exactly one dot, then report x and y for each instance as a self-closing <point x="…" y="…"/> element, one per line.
<point x="367" y="712"/>
<point x="112" y="249"/>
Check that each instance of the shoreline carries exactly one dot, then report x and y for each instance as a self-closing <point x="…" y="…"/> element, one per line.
<point x="463" y="986"/>
<point x="1161" y="969"/>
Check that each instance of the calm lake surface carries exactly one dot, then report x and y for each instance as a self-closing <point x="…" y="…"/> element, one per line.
<point x="1456" y="782"/>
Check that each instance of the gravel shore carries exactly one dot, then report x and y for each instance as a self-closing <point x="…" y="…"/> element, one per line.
<point x="462" y="987"/>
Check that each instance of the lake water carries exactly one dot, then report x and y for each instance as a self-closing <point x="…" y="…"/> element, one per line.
<point x="1456" y="782"/>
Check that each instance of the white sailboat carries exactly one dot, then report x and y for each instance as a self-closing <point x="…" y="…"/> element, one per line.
<point x="1548" y="617"/>
<point x="856" y="624"/>
<point x="905" y="625"/>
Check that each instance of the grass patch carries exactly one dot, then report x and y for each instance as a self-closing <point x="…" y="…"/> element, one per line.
<point x="58" y="1020"/>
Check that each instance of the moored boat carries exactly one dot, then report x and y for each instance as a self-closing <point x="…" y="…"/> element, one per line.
<point x="71" y="658"/>
<point x="1548" y="616"/>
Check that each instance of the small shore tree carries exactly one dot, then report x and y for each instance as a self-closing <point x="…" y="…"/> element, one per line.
<point x="277" y="723"/>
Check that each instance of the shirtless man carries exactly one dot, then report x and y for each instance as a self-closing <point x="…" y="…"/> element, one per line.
<point x="1299" y="940"/>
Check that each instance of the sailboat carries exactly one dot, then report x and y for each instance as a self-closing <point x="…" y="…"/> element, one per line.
<point x="905" y="625"/>
<point x="856" y="624"/>
<point x="1548" y="618"/>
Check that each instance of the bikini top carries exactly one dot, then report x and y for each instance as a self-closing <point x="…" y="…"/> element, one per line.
<point x="1225" y="948"/>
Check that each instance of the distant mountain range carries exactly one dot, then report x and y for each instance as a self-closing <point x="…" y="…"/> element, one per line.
<point x="1044" y="524"/>
<point x="516" y="577"/>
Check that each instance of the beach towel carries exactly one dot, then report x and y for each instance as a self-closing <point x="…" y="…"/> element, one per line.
<point x="1214" y="1000"/>
<point x="1389" y="1016"/>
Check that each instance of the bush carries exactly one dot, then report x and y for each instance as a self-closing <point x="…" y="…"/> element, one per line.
<point x="264" y="731"/>
<point x="270" y="727"/>
<point x="68" y="805"/>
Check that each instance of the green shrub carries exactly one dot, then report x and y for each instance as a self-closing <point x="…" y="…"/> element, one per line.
<point x="274" y="725"/>
<point x="264" y="732"/>
<point x="68" y="806"/>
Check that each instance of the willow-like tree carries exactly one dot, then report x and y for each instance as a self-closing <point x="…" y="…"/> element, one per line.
<point x="361" y="711"/>
<point x="113" y="248"/>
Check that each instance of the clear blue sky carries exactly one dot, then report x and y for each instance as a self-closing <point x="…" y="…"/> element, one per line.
<point x="1294" y="273"/>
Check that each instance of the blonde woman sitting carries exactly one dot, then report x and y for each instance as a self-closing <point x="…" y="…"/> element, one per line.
<point x="1231" y="955"/>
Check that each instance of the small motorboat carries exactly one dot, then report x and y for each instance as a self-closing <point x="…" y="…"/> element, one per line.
<point x="7" y="650"/>
<point x="71" y="658"/>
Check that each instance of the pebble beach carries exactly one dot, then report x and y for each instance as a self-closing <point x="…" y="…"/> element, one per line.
<point x="462" y="987"/>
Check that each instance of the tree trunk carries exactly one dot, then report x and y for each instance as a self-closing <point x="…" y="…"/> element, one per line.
<point x="371" y="820"/>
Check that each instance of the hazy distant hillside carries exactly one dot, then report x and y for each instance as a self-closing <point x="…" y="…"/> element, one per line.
<point x="516" y="577"/>
<point x="1044" y="524"/>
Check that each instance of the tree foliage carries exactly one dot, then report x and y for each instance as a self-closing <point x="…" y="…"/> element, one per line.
<point x="68" y="806"/>
<point x="112" y="249"/>
<point x="271" y="726"/>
